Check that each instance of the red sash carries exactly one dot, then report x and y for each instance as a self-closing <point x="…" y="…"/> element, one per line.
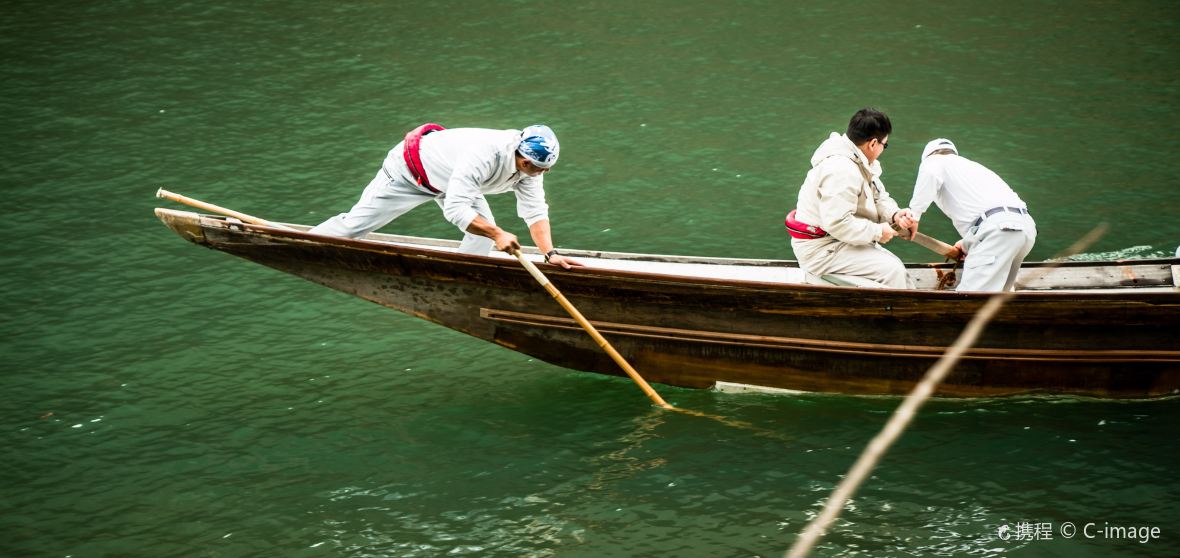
<point x="799" y="229"/>
<point x="413" y="156"/>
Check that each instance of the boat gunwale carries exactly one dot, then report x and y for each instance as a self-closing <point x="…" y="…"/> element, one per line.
<point x="405" y="246"/>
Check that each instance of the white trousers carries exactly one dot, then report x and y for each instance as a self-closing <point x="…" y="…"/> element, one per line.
<point x="386" y="199"/>
<point x="995" y="249"/>
<point x="828" y="256"/>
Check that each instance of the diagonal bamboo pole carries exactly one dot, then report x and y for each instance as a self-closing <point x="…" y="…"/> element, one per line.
<point x="586" y="325"/>
<point x="904" y="414"/>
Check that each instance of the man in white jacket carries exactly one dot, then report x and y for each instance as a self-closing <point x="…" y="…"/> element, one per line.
<point x="996" y="228"/>
<point x="844" y="213"/>
<point x="456" y="168"/>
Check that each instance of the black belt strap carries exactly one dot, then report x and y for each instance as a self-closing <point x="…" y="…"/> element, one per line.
<point x="996" y="210"/>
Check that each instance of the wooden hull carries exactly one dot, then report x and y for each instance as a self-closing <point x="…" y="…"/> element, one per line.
<point x="694" y="331"/>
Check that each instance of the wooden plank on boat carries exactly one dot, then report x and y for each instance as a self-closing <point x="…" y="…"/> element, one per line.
<point x="1095" y="277"/>
<point x="1101" y="275"/>
<point x="881" y="350"/>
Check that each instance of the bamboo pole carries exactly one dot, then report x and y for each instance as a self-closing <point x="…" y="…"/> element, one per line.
<point x="908" y="409"/>
<point x="162" y="193"/>
<point x="598" y="338"/>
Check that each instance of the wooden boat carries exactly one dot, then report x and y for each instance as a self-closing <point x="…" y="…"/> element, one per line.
<point x="1101" y="329"/>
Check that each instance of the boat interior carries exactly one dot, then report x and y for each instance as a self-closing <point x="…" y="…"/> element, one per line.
<point x="1157" y="275"/>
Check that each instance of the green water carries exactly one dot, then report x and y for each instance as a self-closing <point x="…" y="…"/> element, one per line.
<point x="163" y="400"/>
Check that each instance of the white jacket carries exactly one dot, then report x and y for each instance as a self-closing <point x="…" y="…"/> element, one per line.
<point x="467" y="163"/>
<point x="843" y="193"/>
<point x="962" y="188"/>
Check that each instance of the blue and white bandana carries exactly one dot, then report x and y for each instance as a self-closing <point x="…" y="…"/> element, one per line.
<point x="539" y="145"/>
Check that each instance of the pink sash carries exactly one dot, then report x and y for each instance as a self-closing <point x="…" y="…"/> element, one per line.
<point x="413" y="156"/>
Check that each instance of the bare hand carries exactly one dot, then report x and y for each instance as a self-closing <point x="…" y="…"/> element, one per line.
<point x="565" y="261"/>
<point x="962" y="252"/>
<point x="887" y="233"/>
<point x="905" y="220"/>
<point x="506" y="241"/>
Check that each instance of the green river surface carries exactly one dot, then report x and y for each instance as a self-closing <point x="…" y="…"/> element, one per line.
<point x="159" y="399"/>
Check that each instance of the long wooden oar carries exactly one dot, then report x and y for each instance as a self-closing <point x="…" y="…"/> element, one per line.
<point x="933" y="244"/>
<point x="162" y="193"/>
<point x="937" y="246"/>
<point x="598" y="338"/>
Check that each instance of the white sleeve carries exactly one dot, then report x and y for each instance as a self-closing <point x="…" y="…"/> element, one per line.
<point x="463" y="189"/>
<point x="925" y="189"/>
<point x="530" y="200"/>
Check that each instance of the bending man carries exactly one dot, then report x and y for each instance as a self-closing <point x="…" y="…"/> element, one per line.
<point x="844" y="213"/>
<point x="997" y="231"/>
<point x="456" y="168"/>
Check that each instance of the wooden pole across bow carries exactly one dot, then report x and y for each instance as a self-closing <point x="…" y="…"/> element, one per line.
<point x="162" y="193"/>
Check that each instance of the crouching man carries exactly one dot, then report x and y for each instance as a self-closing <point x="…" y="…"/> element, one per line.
<point x="844" y="214"/>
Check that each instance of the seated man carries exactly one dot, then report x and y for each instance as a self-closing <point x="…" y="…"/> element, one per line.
<point x="997" y="231"/>
<point x="456" y="168"/>
<point x="844" y="213"/>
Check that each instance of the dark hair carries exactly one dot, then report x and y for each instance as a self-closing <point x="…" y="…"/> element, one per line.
<point x="868" y="123"/>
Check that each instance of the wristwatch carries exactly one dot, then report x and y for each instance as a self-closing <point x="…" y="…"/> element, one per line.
<point x="550" y="254"/>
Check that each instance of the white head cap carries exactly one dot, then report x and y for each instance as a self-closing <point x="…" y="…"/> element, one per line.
<point x="539" y="145"/>
<point x="935" y="145"/>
